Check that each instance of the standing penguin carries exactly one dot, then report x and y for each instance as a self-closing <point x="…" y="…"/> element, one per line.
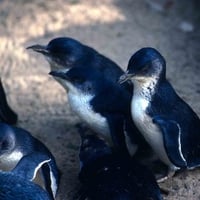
<point x="94" y="93"/>
<point x="17" y="184"/>
<point x="15" y="143"/>
<point x="7" y="115"/>
<point x="167" y="123"/>
<point x="102" y="105"/>
<point x="110" y="176"/>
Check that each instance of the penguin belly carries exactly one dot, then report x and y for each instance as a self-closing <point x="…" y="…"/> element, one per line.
<point x="80" y="104"/>
<point x="150" y="131"/>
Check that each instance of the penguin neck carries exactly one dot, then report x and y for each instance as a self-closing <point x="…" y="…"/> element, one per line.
<point x="145" y="87"/>
<point x="56" y="67"/>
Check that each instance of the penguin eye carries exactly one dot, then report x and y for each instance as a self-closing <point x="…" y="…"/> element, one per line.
<point x="4" y="145"/>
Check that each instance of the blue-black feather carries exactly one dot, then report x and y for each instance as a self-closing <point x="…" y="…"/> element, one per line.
<point x="110" y="175"/>
<point x="7" y="115"/>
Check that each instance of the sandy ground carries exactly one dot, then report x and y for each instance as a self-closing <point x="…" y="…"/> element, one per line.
<point x="113" y="27"/>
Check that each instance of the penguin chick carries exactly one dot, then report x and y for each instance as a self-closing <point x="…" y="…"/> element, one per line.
<point x="167" y="123"/>
<point x="7" y="115"/>
<point x="15" y="143"/>
<point x="109" y="176"/>
<point x="17" y="184"/>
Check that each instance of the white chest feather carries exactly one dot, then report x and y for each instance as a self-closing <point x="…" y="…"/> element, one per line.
<point x="80" y="105"/>
<point x="9" y="161"/>
<point x="152" y="134"/>
<point x="79" y="102"/>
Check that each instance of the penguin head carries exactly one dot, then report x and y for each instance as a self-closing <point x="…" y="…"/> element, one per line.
<point x="7" y="139"/>
<point x="79" y="81"/>
<point x="63" y="52"/>
<point x="144" y="64"/>
<point x="92" y="148"/>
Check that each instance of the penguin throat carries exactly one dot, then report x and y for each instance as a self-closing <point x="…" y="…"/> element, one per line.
<point x="55" y="65"/>
<point x="145" y="87"/>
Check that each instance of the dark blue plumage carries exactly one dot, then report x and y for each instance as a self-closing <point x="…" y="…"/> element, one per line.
<point x="159" y="107"/>
<point x="171" y="129"/>
<point x="15" y="143"/>
<point x="7" y="115"/>
<point x="99" y="90"/>
<point x="17" y="185"/>
<point x="102" y="104"/>
<point x="110" y="176"/>
<point x="67" y="52"/>
<point x="174" y="108"/>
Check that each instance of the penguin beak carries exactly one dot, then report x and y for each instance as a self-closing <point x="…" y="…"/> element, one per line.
<point x="59" y="74"/>
<point x="40" y="49"/>
<point x="125" y="77"/>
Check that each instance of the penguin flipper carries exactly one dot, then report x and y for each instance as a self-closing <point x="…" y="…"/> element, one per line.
<point x="51" y="177"/>
<point x="6" y="113"/>
<point x="171" y="132"/>
<point x="29" y="165"/>
<point x="116" y="125"/>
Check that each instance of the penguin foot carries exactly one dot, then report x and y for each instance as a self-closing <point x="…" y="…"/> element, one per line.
<point x="169" y="175"/>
